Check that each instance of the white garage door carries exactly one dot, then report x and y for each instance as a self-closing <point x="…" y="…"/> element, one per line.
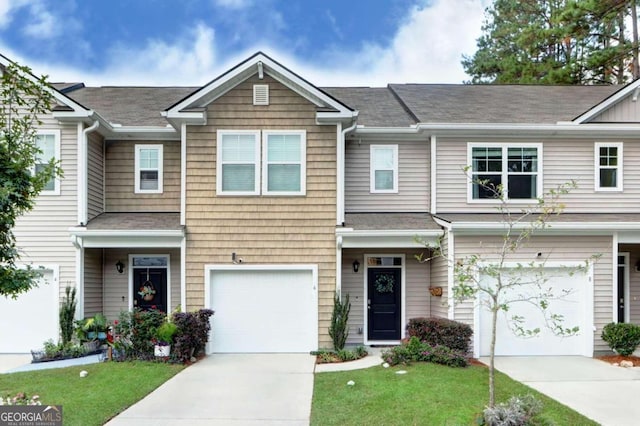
<point x="575" y="306"/>
<point x="32" y="318"/>
<point x="263" y="310"/>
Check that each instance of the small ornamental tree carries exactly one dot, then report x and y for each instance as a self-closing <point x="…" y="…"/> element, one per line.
<point x="339" y="329"/>
<point x="23" y="101"/>
<point x="488" y="277"/>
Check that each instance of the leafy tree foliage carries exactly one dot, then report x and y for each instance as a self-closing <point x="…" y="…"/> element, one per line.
<point x="556" y="42"/>
<point x="23" y="100"/>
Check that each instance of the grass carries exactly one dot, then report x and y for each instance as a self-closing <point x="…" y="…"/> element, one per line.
<point x="428" y="394"/>
<point x="108" y="389"/>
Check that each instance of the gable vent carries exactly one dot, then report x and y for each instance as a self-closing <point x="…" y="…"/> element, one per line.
<point x="261" y="94"/>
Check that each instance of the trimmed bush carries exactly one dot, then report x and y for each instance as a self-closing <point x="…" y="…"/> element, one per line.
<point x="339" y="329"/>
<point x="137" y="331"/>
<point x="442" y="332"/>
<point x="519" y="410"/>
<point x="416" y="351"/>
<point x="192" y="335"/>
<point x="623" y="338"/>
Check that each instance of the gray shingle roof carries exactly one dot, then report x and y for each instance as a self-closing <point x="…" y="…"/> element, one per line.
<point x="389" y="221"/>
<point x="131" y="106"/>
<point x="398" y="105"/>
<point x="135" y="221"/>
<point x="461" y="103"/>
<point x="377" y="106"/>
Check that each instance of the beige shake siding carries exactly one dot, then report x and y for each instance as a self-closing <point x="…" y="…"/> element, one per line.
<point x="417" y="297"/>
<point x="563" y="160"/>
<point x="413" y="179"/>
<point x="561" y="248"/>
<point x="120" y="179"/>
<point x="95" y="176"/>
<point x="43" y="234"/>
<point x="262" y="229"/>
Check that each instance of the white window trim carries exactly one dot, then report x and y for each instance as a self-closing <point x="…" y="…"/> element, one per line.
<point x="504" y="146"/>
<point x="303" y="162"/>
<point x="256" y="162"/>
<point x="56" y="135"/>
<point x="372" y="170"/>
<point x="596" y="168"/>
<point x="139" y="190"/>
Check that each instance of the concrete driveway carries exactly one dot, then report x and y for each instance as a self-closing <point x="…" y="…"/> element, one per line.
<point x="231" y="389"/>
<point x="598" y="390"/>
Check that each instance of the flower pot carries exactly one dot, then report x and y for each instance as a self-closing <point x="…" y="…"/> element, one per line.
<point x="162" y="351"/>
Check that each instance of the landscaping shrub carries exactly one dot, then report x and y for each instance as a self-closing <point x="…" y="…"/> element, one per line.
<point x="517" y="411"/>
<point x="137" y="330"/>
<point x="67" y="315"/>
<point x="192" y="335"/>
<point x="442" y="332"/>
<point x="327" y="356"/>
<point x="339" y="330"/>
<point x="623" y="338"/>
<point x="416" y="351"/>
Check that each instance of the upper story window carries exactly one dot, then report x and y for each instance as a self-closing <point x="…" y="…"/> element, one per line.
<point x="238" y="162"/>
<point x="284" y="162"/>
<point x="48" y="142"/>
<point x="513" y="169"/>
<point x="608" y="166"/>
<point x="148" y="178"/>
<point x="282" y="170"/>
<point x="384" y="168"/>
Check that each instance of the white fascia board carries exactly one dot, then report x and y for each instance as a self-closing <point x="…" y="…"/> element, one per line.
<point x="189" y="117"/>
<point x="137" y="239"/>
<point x="324" y="117"/>
<point x="388" y="239"/>
<point x="607" y="103"/>
<point x="583" y="228"/>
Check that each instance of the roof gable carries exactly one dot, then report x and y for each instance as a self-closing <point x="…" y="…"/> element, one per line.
<point x="257" y="64"/>
<point x="603" y="111"/>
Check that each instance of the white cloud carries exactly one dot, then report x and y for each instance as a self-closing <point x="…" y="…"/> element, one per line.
<point x="43" y="25"/>
<point x="7" y="7"/>
<point x="233" y="4"/>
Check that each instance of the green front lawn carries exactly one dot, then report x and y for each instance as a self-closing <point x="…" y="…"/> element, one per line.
<point x="107" y="390"/>
<point x="428" y="394"/>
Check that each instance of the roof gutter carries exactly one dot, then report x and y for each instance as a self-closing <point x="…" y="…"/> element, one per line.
<point x="341" y="171"/>
<point x="83" y="181"/>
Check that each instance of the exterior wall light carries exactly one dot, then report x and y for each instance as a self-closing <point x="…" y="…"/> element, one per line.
<point x="120" y="267"/>
<point x="356" y="266"/>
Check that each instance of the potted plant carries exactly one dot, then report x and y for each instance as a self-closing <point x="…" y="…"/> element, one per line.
<point x="163" y="339"/>
<point x="95" y="328"/>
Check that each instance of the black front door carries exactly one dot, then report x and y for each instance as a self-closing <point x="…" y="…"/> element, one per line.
<point x="621" y="278"/>
<point x="384" y="303"/>
<point x="150" y="288"/>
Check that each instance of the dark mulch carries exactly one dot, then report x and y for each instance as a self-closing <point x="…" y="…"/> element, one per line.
<point x="615" y="359"/>
<point x="475" y="361"/>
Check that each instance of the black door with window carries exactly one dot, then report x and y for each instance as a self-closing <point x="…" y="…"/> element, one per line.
<point x="384" y="303"/>
<point x="150" y="288"/>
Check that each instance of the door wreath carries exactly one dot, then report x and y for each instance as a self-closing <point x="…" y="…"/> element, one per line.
<point x="147" y="290"/>
<point x="384" y="283"/>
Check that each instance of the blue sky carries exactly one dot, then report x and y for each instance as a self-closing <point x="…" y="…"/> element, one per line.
<point x="189" y="42"/>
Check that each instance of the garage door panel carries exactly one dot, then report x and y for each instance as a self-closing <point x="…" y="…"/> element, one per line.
<point x="570" y="300"/>
<point x="31" y="319"/>
<point x="263" y="311"/>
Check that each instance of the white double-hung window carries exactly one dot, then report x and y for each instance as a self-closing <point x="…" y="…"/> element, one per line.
<point x="238" y="162"/>
<point x="283" y="162"/>
<point x="511" y="171"/>
<point x="48" y="143"/>
<point x="383" y="174"/>
<point x="148" y="169"/>
<point x="267" y="162"/>
<point x="608" y="166"/>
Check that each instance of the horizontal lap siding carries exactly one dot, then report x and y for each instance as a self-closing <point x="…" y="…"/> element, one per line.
<point x="93" y="302"/>
<point x="262" y="229"/>
<point x="576" y="248"/>
<point x="95" y="178"/>
<point x="626" y="110"/>
<point x="42" y="235"/>
<point x="416" y="286"/>
<point x="440" y="278"/>
<point x="120" y="179"/>
<point x="563" y="161"/>
<point x="413" y="179"/>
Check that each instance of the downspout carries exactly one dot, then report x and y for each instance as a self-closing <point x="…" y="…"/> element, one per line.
<point x="83" y="183"/>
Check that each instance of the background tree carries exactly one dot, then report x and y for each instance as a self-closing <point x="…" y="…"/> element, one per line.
<point x="23" y="100"/>
<point x="556" y="42"/>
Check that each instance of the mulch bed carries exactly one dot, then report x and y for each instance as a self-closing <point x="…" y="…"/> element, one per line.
<point x="474" y="361"/>
<point x="615" y="359"/>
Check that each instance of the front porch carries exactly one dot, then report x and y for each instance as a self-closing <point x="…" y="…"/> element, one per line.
<point x="129" y="260"/>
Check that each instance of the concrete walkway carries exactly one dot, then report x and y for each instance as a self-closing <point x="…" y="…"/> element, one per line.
<point x="596" y="389"/>
<point x="231" y="389"/>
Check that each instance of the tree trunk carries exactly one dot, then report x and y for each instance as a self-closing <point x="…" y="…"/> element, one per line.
<point x="492" y="354"/>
